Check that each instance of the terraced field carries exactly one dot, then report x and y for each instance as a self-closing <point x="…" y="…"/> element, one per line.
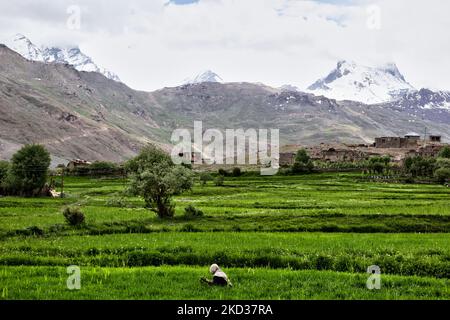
<point x="296" y="237"/>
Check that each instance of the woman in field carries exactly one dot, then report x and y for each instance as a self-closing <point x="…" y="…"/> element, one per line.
<point x="219" y="277"/>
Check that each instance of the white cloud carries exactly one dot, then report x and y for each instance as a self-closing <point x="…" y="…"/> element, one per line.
<point x="151" y="44"/>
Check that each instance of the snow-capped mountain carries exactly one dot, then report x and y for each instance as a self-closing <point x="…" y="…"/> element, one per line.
<point x="206" y="76"/>
<point x="26" y="48"/>
<point x="369" y="85"/>
<point x="72" y="56"/>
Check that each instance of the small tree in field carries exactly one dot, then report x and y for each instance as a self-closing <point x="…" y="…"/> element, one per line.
<point x="28" y="170"/>
<point x="302" y="162"/>
<point x="155" y="178"/>
<point x="204" y="178"/>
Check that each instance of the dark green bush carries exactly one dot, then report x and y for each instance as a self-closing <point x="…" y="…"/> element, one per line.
<point x="236" y="172"/>
<point x="74" y="216"/>
<point x="189" y="228"/>
<point x="445" y="152"/>
<point x="442" y="175"/>
<point x="190" y="212"/>
<point x="204" y="178"/>
<point x="223" y="172"/>
<point x="302" y="162"/>
<point x="33" y="231"/>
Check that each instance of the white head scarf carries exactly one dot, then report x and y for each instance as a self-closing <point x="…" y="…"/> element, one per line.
<point x="214" y="268"/>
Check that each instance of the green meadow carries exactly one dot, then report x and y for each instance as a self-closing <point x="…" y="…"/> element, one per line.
<point x="280" y="237"/>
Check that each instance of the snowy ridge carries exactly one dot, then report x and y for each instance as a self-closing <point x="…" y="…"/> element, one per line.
<point x="369" y="85"/>
<point x="72" y="56"/>
<point x="206" y="76"/>
<point x="424" y="99"/>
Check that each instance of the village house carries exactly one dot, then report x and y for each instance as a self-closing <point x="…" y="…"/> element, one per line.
<point x="410" y="140"/>
<point x="77" y="163"/>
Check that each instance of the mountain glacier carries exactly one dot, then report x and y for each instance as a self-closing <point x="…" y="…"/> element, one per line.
<point x="72" y="56"/>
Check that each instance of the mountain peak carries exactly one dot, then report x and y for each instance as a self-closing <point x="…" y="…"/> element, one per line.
<point x="205" y="76"/>
<point x="23" y="46"/>
<point x="370" y="85"/>
<point x="72" y="55"/>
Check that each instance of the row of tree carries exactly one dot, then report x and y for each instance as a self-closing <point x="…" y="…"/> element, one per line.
<point x="437" y="168"/>
<point x="429" y="167"/>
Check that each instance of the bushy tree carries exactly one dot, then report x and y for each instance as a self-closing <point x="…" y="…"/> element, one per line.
<point x="378" y="165"/>
<point x="442" y="175"/>
<point x="445" y="152"/>
<point x="302" y="162"/>
<point x="4" y="167"/>
<point x="443" y="163"/>
<point x="28" y="170"/>
<point x="205" y="177"/>
<point x="420" y="166"/>
<point x="155" y="178"/>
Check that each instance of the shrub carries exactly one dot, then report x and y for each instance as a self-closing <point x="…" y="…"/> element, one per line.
<point x="442" y="175"/>
<point x="31" y="231"/>
<point x="74" y="216"/>
<point x="443" y="163"/>
<point x="190" y="212"/>
<point x="102" y="168"/>
<point x="445" y="153"/>
<point x="205" y="177"/>
<point x="236" y="172"/>
<point x="285" y="171"/>
<point x="219" y="181"/>
<point x="189" y="228"/>
<point x="302" y="162"/>
<point x="223" y="172"/>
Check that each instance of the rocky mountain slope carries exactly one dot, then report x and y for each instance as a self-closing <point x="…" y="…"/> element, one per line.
<point x="86" y="115"/>
<point x="75" y="114"/>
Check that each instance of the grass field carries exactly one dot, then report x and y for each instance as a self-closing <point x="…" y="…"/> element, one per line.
<point x="295" y="237"/>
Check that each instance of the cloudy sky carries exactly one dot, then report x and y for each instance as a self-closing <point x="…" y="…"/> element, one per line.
<point x="151" y="44"/>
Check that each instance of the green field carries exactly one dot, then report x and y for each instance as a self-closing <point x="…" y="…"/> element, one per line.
<point x="280" y="237"/>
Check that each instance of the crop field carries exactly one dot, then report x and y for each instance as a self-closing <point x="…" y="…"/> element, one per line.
<point x="281" y="237"/>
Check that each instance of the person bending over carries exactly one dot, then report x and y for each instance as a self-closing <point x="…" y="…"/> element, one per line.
<point x="219" y="277"/>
